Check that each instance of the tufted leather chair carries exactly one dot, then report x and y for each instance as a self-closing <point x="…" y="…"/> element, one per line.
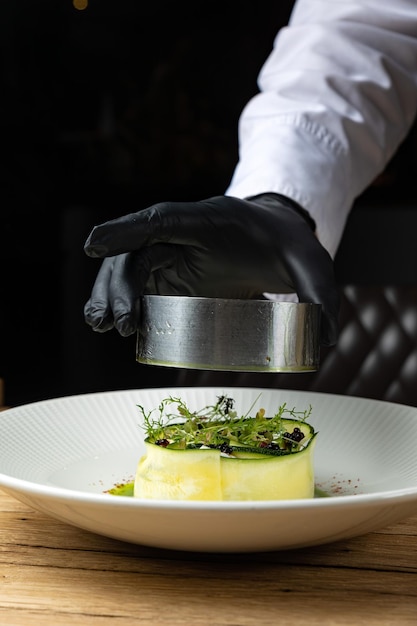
<point x="375" y="357"/>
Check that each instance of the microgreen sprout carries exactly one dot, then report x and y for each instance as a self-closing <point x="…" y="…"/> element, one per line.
<point x="219" y="426"/>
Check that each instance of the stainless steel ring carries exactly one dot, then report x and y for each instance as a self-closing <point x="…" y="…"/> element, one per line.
<point x="229" y="335"/>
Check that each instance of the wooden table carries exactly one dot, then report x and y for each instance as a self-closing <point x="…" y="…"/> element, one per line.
<point x="55" y="574"/>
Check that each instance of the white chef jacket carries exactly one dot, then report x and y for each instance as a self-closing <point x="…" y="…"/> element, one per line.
<point x="338" y="94"/>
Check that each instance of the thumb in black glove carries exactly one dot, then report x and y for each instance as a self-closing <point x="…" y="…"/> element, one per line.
<point x="221" y="247"/>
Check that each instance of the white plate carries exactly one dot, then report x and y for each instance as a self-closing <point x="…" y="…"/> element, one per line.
<point x="60" y="456"/>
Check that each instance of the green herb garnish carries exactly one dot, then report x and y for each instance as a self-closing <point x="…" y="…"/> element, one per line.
<point x="219" y="426"/>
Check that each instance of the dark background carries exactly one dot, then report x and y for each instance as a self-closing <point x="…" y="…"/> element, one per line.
<point x="107" y="110"/>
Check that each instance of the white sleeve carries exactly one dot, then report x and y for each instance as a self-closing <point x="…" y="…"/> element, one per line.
<point x="338" y="94"/>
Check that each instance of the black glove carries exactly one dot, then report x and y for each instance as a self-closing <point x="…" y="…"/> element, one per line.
<point x="222" y="247"/>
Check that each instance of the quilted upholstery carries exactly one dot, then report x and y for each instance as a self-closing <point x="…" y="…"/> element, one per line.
<point x="375" y="357"/>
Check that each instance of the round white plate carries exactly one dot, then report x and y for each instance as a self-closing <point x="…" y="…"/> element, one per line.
<point x="60" y="456"/>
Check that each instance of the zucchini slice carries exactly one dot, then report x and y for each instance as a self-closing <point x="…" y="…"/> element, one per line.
<point x="205" y="474"/>
<point x="269" y="477"/>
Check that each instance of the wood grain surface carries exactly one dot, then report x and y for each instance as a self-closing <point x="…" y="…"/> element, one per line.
<point x="52" y="573"/>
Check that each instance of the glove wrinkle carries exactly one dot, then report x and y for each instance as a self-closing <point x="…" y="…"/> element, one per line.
<point x="272" y="199"/>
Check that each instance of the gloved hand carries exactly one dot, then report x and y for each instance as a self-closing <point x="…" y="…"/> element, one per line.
<point x="220" y="247"/>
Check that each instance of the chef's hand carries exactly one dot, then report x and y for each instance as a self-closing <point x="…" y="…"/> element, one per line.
<point x="220" y="247"/>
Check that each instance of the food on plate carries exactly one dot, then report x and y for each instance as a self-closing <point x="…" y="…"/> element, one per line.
<point x="215" y="454"/>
